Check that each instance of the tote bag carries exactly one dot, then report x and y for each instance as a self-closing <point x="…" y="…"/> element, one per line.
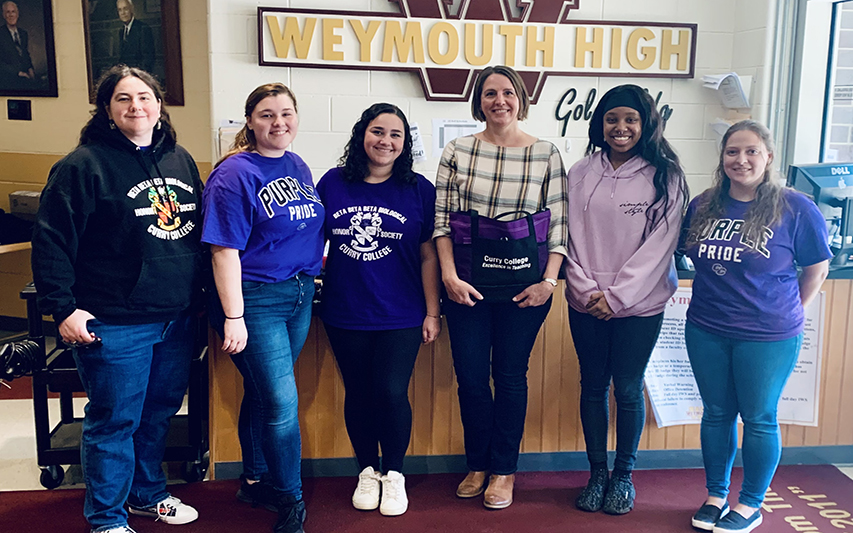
<point x="499" y="257"/>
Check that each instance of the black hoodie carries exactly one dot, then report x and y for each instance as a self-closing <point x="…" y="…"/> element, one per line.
<point x="118" y="231"/>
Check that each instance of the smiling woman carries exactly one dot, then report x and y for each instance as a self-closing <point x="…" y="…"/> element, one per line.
<point x="134" y="110"/>
<point x="118" y="217"/>
<point x="380" y="294"/>
<point x="264" y="223"/>
<point x="496" y="172"/>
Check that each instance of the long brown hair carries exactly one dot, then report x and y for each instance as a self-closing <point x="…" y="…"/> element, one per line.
<point x="245" y="139"/>
<point x="768" y="206"/>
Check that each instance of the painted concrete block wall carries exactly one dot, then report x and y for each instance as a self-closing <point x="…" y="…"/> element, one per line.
<point x="331" y="101"/>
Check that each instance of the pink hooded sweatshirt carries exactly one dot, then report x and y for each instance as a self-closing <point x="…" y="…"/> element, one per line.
<point x="607" y="252"/>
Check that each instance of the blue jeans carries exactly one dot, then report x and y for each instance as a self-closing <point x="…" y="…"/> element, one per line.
<point x="278" y="317"/>
<point x="620" y="349"/>
<point x="493" y="339"/>
<point x="746" y="377"/>
<point x="135" y="381"/>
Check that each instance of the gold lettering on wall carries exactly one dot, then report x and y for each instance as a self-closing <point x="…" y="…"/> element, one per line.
<point x="434" y="43"/>
<point x="616" y="48"/>
<point x="412" y="41"/>
<point x="582" y="46"/>
<point x="281" y="40"/>
<point x="667" y="49"/>
<point x="365" y="37"/>
<point x="639" y="57"/>
<point x="546" y="46"/>
<point x="511" y="35"/>
<point x="330" y="39"/>
<point x="471" y="44"/>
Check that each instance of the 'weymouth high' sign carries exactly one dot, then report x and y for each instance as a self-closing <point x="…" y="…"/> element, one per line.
<point x="447" y="49"/>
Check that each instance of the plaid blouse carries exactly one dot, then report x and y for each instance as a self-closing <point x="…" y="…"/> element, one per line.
<point x="475" y="174"/>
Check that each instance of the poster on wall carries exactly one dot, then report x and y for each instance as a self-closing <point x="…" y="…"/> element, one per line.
<point x="137" y="33"/>
<point x="27" y="56"/>
<point x="672" y="388"/>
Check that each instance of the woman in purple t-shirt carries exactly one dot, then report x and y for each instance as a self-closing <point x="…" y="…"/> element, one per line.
<point x="264" y="223"/>
<point x="746" y="236"/>
<point x="380" y="294"/>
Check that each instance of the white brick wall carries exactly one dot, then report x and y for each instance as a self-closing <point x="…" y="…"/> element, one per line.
<point x="733" y="34"/>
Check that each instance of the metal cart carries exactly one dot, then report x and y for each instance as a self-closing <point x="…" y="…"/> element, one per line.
<point x="187" y="441"/>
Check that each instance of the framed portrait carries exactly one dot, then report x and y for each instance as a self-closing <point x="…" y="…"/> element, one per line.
<point x="27" y="53"/>
<point x="137" y="33"/>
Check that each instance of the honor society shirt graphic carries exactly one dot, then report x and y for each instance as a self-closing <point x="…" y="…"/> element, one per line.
<point x="165" y="208"/>
<point x="748" y="289"/>
<point x="267" y="208"/>
<point x="373" y="271"/>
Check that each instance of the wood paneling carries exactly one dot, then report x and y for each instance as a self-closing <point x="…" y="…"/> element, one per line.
<point x="553" y="421"/>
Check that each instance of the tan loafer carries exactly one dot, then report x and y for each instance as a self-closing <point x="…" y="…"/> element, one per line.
<point x="499" y="493"/>
<point x="473" y="485"/>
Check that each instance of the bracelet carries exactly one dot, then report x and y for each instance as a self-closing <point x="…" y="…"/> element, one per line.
<point x="233" y="317"/>
<point x="551" y="281"/>
<point x="433" y="316"/>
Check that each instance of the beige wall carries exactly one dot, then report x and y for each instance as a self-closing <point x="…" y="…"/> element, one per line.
<point x="29" y="149"/>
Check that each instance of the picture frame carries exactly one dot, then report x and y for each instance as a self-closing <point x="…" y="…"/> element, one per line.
<point x="28" y="66"/>
<point x="151" y="42"/>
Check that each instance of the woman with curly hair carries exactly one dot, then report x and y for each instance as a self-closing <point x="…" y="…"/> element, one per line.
<point x="380" y="294"/>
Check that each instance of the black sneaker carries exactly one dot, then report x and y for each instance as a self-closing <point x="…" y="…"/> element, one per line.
<point x="291" y="515"/>
<point x="620" y="495"/>
<point x="708" y="515"/>
<point x="261" y="493"/>
<point x="592" y="497"/>
<point x="736" y="523"/>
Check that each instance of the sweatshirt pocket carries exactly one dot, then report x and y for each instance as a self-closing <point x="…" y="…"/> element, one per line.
<point x="165" y="283"/>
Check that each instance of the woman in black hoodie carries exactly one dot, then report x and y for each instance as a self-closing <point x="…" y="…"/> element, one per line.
<point x="116" y="260"/>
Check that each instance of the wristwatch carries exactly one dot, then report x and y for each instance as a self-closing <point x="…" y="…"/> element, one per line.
<point x="552" y="281"/>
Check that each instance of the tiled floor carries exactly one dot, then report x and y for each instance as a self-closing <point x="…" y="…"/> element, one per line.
<point x="18" y="468"/>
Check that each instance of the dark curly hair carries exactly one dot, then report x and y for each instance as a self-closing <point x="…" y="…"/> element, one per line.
<point x="652" y="147"/>
<point x="355" y="160"/>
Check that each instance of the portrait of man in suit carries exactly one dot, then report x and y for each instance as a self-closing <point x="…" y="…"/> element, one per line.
<point x="135" y="40"/>
<point x="16" y="65"/>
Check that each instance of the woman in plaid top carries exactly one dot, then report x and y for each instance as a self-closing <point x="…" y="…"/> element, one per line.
<point x="498" y="170"/>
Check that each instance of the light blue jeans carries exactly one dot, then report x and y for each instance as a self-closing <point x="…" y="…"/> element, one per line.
<point x="135" y="381"/>
<point x="746" y="377"/>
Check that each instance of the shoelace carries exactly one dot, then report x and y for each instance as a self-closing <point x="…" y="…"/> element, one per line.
<point x="390" y="488"/>
<point x="365" y="484"/>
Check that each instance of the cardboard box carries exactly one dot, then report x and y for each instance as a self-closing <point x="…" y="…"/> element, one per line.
<point x="24" y="204"/>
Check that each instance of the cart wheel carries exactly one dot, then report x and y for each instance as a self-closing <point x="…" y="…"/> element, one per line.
<point x="52" y="476"/>
<point x="192" y="472"/>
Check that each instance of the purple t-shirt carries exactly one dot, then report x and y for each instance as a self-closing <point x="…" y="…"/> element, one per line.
<point x="267" y="208"/>
<point x="373" y="270"/>
<point x="749" y="291"/>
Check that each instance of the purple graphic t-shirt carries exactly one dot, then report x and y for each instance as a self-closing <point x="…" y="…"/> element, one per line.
<point x="373" y="270"/>
<point x="267" y="208"/>
<point x="749" y="290"/>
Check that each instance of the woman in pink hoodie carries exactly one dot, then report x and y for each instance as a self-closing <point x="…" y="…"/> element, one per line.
<point x="626" y="201"/>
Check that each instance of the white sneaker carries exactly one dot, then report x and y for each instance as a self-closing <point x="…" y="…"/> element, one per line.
<point x="366" y="495"/>
<point x="120" y="529"/>
<point x="394" y="499"/>
<point x="170" y="511"/>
